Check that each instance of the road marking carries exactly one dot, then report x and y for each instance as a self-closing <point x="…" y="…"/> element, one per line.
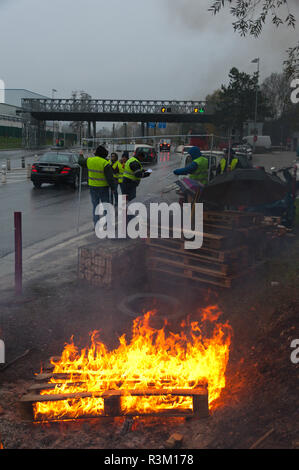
<point x="16" y="176"/>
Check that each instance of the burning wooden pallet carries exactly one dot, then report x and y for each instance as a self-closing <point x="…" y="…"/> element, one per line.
<point x="112" y="402"/>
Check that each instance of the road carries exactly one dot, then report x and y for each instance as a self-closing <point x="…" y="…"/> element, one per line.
<point x="52" y="211"/>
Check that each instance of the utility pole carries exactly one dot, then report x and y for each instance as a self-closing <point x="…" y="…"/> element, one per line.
<point x="53" y="92"/>
<point x="256" y="61"/>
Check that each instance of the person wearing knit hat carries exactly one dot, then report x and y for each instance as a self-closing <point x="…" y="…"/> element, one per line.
<point x="100" y="179"/>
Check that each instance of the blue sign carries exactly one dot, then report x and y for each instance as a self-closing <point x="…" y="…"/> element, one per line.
<point x="151" y="125"/>
<point x="162" y="125"/>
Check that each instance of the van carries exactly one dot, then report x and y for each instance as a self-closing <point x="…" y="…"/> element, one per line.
<point x="263" y="142"/>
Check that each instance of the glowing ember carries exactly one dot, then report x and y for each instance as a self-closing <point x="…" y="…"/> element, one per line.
<point x="154" y="359"/>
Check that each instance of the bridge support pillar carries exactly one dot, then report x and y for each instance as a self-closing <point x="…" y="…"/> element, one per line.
<point x="94" y="124"/>
<point x="143" y="129"/>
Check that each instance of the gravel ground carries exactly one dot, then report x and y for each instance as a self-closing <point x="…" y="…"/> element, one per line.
<point x="262" y="382"/>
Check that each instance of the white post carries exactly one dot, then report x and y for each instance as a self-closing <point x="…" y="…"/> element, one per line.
<point x="210" y="162"/>
<point x="3" y="173"/>
<point x="28" y="170"/>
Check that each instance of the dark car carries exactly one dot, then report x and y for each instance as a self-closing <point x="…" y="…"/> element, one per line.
<point x="165" y="147"/>
<point x="146" y="154"/>
<point x="58" y="168"/>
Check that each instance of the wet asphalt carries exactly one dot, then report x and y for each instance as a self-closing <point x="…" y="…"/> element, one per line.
<point x="52" y="210"/>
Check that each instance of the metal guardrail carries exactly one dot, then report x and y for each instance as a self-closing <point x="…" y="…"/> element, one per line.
<point x="114" y="106"/>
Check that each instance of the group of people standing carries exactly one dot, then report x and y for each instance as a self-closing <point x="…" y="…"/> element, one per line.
<point x="106" y="175"/>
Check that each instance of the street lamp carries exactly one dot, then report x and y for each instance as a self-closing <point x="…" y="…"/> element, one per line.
<point x="256" y="61"/>
<point x="53" y="92"/>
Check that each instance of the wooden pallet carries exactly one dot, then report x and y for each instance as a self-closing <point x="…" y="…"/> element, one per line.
<point x="112" y="402"/>
<point x="189" y="259"/>
<point x="232" y="219"/>
<point x="206" y="276"/>
<point x="177" y="246"/>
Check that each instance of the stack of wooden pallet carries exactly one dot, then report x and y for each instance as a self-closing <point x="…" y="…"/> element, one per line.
<point x="233" y="242"/>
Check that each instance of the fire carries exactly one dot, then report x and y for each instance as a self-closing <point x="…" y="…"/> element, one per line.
<point x="152" y="359"/>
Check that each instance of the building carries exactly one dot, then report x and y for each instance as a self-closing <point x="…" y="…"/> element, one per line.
<point x="14" y="96"/>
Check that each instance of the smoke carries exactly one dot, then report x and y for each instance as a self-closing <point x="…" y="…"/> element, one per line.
<point x="221" y="48"/>
<point x="195" y="14"/>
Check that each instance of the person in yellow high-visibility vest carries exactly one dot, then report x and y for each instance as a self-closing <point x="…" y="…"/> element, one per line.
<point x="124" y="158"/>
<point x="100" y="179"/>
<point x="133" y="173"/>
<point x="228" y="162"/>
<point x="198" y="169"/>
<point x="117" y="170"/>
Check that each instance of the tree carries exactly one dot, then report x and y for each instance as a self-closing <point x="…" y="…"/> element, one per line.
<point x="276" y="89"/>
<point x="251" y="15"/>
<point x="235" y="102"/>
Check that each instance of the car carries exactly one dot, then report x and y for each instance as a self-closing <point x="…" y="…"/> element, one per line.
<point x="146" y="154"/>
<point x="58" y="168"/>
<point x="185" y="155"/>
<point x="165" y="146"/>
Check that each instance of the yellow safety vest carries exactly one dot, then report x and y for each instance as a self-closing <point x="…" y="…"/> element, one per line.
<point x="234" y="163"/>
<point x="121" y="173"/>
<point x="128" y="173"/>
<point x="223" y="165"/>
<point x="231" y="166"/>
<point x="96" y="175"/>
<point x="114" y="166"/>
<point x="202" y="172"/>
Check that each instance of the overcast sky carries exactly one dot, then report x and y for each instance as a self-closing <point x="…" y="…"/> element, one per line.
<point x="133" y="49"/>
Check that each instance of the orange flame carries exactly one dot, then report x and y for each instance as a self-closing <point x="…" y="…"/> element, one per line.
<point x="153" y="358"/>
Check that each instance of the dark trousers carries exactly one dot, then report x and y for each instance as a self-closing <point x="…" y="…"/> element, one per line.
<point x="98" y="195"/>
<point x="129" y="189"/>
<point x="114" y="195"/>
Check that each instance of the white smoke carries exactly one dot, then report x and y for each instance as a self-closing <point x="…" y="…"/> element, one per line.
<point x="222" y="48"/>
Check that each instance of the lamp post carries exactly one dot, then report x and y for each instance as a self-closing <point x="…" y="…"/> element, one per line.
<point x="53" y="92"/>
<point x="256" y="61"/>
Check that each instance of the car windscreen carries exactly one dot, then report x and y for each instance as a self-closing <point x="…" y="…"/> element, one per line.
<point x="55" y="158"/>
<point x="144" y="150"/>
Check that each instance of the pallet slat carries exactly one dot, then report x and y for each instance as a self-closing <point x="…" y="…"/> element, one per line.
<point x="112" y="403"/>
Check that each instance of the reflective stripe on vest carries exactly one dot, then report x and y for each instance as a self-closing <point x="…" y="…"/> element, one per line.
<point x="128" y="173"/>
<point x="96" y="175"/>
<point x="202" y="172"/>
